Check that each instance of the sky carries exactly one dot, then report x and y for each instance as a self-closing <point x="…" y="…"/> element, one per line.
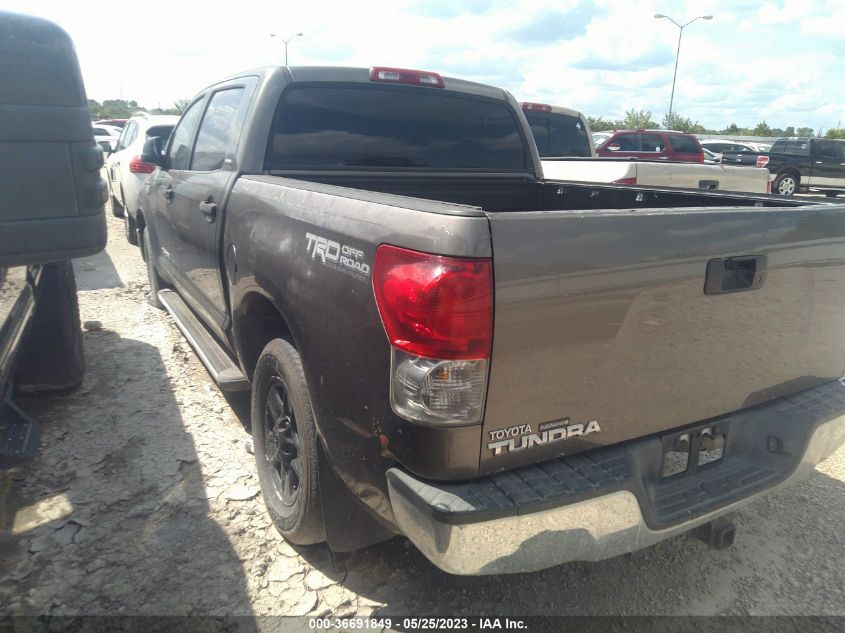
<point x="779" y="61"/>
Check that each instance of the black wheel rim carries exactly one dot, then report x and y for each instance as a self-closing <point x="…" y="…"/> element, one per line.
<point x="281" y="442"/>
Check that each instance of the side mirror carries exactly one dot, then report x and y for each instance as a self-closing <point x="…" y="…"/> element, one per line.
<point x="614" y="147"/>
<point x="44" y="121"/>
<point x="106" y="147"/>
<point x="152" y="152"/>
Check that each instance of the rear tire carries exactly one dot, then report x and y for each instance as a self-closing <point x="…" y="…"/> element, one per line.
<point x="285" y="444"/>
<point x="116" y="207"/>
<point x="53" y="357"/>
<point x="155" y="283"/>
<point x="831" y="194"/>
<point x="786" y="184"/>
<point x="130" y="229"/>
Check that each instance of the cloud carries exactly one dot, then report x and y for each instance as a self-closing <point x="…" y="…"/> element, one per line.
<point x="651" y="59"/>
<point x="553" y="26"/>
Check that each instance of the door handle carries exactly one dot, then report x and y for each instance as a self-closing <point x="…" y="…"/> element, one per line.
<point x="168" y="194"/>
<point x="209" y="210"/>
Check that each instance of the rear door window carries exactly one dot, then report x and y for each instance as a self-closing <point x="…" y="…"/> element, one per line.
<point x="626" y="142"/>
<point x="827" y="149"/>
<point x="652" y="143"/>
<point x="683" y="144"/>
<point x="344" y="127"/>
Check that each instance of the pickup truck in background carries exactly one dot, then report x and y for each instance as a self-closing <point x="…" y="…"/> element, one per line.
<point x="513" y="372"/>
<point x="45" y="135"/>
<point x="566" y="149"/>
<point x="799" y="165"/>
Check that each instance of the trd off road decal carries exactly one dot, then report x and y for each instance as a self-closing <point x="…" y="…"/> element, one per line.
<point x="340" y="257"/>
<point x="522" y="436"/>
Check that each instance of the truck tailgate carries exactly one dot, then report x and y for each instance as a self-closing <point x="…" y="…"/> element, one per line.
<point x="602" y="317"/>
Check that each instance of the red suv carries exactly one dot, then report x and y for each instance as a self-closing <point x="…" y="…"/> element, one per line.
<point x="653" y="144"/>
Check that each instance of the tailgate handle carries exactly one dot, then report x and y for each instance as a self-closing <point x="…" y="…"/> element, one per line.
<point x="734" y="274"/>
<point x="708" y="184"/>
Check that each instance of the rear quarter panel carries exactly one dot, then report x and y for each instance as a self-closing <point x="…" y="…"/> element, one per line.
<point x="333" y="318"/>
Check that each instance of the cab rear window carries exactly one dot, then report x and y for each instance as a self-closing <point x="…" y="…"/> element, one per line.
<point x="353" y="127"/>
<point x="558" y="134"/>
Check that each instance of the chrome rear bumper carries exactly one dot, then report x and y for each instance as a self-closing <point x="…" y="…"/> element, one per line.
<point x="596" y="528"/>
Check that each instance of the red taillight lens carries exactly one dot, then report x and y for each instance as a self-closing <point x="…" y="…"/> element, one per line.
<point x="435" y="306"/>
<point x="137" y="166"/>
<point x="536" y="107"/>
<point x="701" y="157"/>
<point x="626" y="181"/>
<point x="762" y="161"/>
<point x="405" y="76"/>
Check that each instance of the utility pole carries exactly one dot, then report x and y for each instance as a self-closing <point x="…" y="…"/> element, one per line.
<point x="678" y="53"/>
<point x="286" y="43"/>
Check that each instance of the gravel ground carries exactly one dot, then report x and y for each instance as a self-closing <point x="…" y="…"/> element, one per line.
<point x="143" y="500"/>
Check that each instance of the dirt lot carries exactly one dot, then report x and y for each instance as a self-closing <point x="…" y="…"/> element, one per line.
<point x="143" y="500"/>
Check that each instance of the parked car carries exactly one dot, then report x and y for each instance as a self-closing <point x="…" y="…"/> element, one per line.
<point x="710" y="157"/>
<point x="559" y="131"/>
<point x="600" y="137"/>
<point x="512" y="372"/>
<point x="48" y="216"/>
<point x="106" y="136"/>
<point x="718" y="146"/>
<point x="800" y="164"/>
<point x="126" y="169"/>
<point x="652" y="144"/>
<point x="118" y="123"/>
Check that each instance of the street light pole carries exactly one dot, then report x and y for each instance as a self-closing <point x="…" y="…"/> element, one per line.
<point x="286" y="43"/>
<point x="678" y="53"/>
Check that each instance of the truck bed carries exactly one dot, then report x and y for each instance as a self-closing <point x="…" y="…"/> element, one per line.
<point x="600" y="307"/>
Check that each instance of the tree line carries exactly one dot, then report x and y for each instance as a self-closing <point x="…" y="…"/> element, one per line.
<point x="123" y="109"/>
<point x="642" y="120"/>
<point x="634" y="119"/>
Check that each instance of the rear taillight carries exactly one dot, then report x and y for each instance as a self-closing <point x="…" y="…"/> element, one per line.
<point x="769" y="187"/>
<point x="405" y="76"/>
<point x="626" y="181"/>
<point x="701" y="157"/>
<point x="537" y="107"/>
<point x="137" y="166"/>
<point x="762" y="161"/>
<point x="438" y="315"/>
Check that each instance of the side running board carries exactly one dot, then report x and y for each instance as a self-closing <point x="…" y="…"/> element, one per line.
<point x="217" y="361"/>
<point x="19" y="435"/>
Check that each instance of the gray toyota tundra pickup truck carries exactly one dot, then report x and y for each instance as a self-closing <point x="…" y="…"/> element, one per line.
<point x="510" y="371"/>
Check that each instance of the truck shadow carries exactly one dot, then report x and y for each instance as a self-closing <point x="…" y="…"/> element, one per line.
<point x="96" y="272"/>
<point x="112" y="516"/>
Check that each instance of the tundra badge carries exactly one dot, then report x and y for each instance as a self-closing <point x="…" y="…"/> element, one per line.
<point x="517" y="438"/>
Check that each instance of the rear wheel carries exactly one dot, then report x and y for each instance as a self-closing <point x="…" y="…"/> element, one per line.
<point x="285" y="444"/>
<point x="155" y="283"/>
<point x="831" y="194"/>
<point x="130" y="229"/>
<point x="116" y="207"/>
<point x="785" y="184"/>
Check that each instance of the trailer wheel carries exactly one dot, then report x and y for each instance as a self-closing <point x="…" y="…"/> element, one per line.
<point x="785" y="184"/>
<point x="285" y="444"/>
<point x="52" y="357"/>
<point x="153" y="278"/>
